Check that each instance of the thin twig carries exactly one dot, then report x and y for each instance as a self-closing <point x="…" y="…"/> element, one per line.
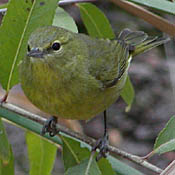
<point x="157" y="21"/>
<point x="135" y="159"/>
<point x="66" y="2"/>
<point x="86" y="139"/>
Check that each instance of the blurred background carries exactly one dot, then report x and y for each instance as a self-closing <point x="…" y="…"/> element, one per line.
<point x="134" y="131"/>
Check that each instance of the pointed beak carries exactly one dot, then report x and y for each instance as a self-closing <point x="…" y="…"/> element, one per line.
<point x="36" y="53"/>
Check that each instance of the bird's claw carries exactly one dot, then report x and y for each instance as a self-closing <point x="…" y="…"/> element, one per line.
<point x="102" y="145"/>
<point x="50" y="127"/>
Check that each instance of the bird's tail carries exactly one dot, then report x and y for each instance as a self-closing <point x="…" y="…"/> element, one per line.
<point x="139" y="41"/>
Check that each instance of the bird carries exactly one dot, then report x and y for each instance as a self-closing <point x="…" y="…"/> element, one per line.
<point x="75" y="76"/>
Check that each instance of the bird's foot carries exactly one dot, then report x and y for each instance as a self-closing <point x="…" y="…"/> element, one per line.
<point x="102" y="145"/>
<point x="50" y="127"/>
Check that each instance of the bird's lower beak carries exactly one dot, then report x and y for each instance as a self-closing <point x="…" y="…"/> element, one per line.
<point x="35" y="53"/>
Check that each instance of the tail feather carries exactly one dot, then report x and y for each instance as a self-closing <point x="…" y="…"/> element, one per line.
<point x="148" y="44"/>
<point x="132" y="38"/>
<point x="139" y="41"/>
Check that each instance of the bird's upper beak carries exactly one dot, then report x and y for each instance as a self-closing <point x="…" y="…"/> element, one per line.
<point x="35" y="52"/>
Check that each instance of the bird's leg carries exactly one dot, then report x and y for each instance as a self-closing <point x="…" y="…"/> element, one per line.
<point x="102" y="143"/>
<point x="50" y="127"/>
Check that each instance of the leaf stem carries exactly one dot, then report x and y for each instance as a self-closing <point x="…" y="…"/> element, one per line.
<point x="89" y="163"/>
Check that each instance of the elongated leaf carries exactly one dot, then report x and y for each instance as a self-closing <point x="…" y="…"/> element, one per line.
<point x="98" y="25"/>
<point x="165" y="141"/>
<point x="166" y="147"/>
<point x="64" y="20"/>
<point x="128" y="93"/>
<point x="6" y="154"/>
<point x="105" y="167"/>
<point x="165" y="6"/>
<point x="167" y="133"/>
<point x="41" y="154"/>
<point x="7" y="168"/>
<point x="86" y="167"/>
<point x="121" y="168"/>
<point x="5" y="151"/>
<point x="21" y="19"/>
<point x="95" y="21"/>
<point x="26" y="123"/>
<point x="73" y="154"/>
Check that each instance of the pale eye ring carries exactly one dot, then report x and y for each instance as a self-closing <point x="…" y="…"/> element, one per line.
<point x="56" y="46"/>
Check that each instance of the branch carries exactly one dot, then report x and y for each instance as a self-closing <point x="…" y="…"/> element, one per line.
<point x="157" y="21"/>
<point x="32" y="122"/>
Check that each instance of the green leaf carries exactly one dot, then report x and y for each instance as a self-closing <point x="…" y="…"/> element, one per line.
<point x="5" y="153"/>
<point x="167" y="133"/>
<point x="165" y="141"/>
<point x="95" y="21"/>
<point x="73" y="153"/>
<point x="26" y="123"/>
<point x="86" y="167"/>
<point x="128" y="93"/>
<point x="105" y="167"/>
<point x="122" y="168"/>
<point x="7" y="168"/>
<point x="41" y="154"/>
<point x="64" y="20"/>
<point x="166" y="147"/>
<point x="165" y="6"/>
<point x="21" y="19"/>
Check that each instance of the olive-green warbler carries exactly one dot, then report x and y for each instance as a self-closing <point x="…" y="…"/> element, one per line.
<point x="75" y="76"/>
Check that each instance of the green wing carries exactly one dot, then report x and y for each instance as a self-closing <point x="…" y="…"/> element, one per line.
<point x="122" y="63"/>
<point x="109" y="59"/>
<point x="127" y="40"/>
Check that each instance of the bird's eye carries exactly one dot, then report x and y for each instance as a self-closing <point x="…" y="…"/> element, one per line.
<point x="56" y="46"/>
<point x="28" y="48"/>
